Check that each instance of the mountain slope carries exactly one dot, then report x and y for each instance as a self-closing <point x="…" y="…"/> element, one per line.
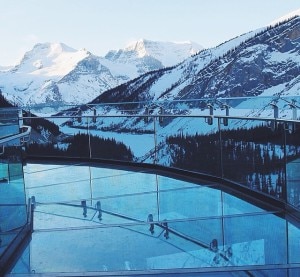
<point x="260" y="63"/>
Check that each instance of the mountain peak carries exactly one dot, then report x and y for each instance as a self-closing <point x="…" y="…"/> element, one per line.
<point x="48" y="49"/>
<point x="139" y="46"/>
<point x="145" y="46"/>
<point x="51" y="59"/>
<point x="54" y="46"/>
<point x="168" y="53"/>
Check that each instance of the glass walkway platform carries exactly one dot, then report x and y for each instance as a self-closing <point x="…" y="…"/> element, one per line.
<point x="90" y="218"/>
<point x="175" y="189"/>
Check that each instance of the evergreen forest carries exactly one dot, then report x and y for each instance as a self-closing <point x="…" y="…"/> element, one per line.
<point x="79" y="145"/>
<point x="254" y="157"/>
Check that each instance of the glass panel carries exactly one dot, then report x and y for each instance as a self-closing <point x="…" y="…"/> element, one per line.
<point x="195" y="148"/>
<point x="100" y="208"/>
<point x="13" y="210"/>
<point x="181" y="200"/>
<point x="57" y="183"/>
<point x="124" y="195"/>
<point x="188" y="227"/>
<point x="23" y="264"/>
<point x="186" y="244"/>
<point x="258" y="239"/>
<point x="293" y="164"/>
<point x="12" y="218"/>
<point x="12" y="197"/>
<point x="253" y="154"/>
<point x="293" y="243"/>
<point x="102" y="248"/>
<point x="234" y="206"/>
<point x="9" y="122"/>
<point x="111" y="138"/>
<point x="55" y="136"/>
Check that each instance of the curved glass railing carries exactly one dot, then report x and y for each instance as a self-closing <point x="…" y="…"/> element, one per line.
<point x="253" y="142"/>
<point x="92" y="220"/>
<point x="13" y="204"/>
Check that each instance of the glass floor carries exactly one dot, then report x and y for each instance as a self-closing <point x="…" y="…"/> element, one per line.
<point x="99" y="219"/>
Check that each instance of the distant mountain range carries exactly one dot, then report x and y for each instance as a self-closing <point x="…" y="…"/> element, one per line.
<point x="261" y="63"/>
<point x="55" y="73"/>
<point x="258" y="64"/>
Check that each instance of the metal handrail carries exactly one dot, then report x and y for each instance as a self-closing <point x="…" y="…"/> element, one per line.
<point x="163" y="115"/>
<point x="11" y="254"/>
<point x="26" y="130"/>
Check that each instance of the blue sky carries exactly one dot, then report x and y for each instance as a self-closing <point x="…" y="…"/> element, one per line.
<point x="102" y="25"/>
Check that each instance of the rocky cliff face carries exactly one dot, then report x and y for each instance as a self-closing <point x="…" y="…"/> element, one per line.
<point x="268" y="63"/>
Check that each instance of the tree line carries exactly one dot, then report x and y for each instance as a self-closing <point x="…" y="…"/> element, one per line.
<point x="79" y="145"/>
<point x="255" y="157"/>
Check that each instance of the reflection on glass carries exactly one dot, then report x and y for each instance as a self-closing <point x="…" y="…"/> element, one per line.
<point x="253" y="154"/>
<point x="197" y="149"/>
<point x="292" y="137"/>
<point x="293" y="187"/>
<point x="141" y="221"/>
<point x="145" y="221"/>
<point x="263" y="236"/>
<point x="234" y="206"/>
<point x="190" y="135"/>
<point x="49" y="183"/>
<point x="117" y="190"/>
<point x="185" y="200"/>
<point x="13" y="212"/>
<point x="293" y="239"/>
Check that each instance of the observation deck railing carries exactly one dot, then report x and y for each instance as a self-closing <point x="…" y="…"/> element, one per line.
<point x="253" y="144"/>
<point x="15" y="219"/>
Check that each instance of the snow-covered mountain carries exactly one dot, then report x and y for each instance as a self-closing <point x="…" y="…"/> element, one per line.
<point x="261" y="63"/>
<point x="264" y="62"/>
<point x="164" y="53"/>
<point x="55" y="73"/>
